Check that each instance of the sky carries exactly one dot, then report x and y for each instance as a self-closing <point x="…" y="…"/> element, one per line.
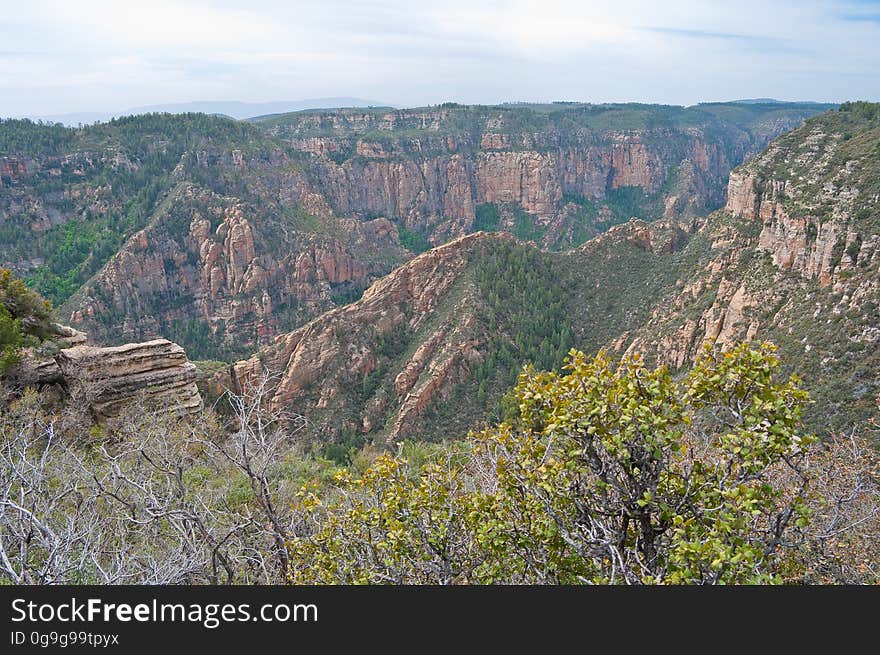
<point x="60" y="56"/>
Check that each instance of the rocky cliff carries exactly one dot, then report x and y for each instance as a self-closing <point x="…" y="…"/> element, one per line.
<point x="192" y="227"/>
<point x="433" y="169"/>
<point x="38" y="368"/>
<point x="793" y="259"/>
<point x="211" y="265"/>
<point x="156" y="373"/>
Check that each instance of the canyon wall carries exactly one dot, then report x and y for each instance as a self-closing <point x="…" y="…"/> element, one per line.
<point x="433" y="181"/>
<point x="211" y="261"/>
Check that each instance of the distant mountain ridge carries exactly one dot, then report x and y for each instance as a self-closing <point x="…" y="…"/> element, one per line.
<point x="774" y="101"/>
<point x="242" y="110"/>
<point x="231" y="108"/>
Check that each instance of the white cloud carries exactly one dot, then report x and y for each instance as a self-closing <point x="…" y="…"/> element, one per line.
<point x="163" y="23"/>
<point x="60" y="55"/>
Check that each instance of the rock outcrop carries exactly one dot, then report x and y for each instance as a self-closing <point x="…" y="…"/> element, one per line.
<point x="208" y="260"/>
<point x="12" y="169"/>
<point x="35" y="372"/>
<point x="155" y="372"/>
<point x="324" y="365"/>
<point x="806" y="218"/>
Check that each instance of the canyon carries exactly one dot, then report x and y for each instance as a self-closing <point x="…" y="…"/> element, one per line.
<point x="221" y="234"/>
<point x="300" y="246"/>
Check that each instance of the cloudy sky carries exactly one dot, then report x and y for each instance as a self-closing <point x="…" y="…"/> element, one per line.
<point x="60" y="56"/>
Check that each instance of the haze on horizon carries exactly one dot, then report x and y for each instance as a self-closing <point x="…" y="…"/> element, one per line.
<point x="61" y="57"/>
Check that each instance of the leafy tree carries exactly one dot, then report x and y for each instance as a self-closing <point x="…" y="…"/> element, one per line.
<point x="411" y="240"/>
<point x="610" y="474"/>
<point x="24" y="318"/>
<point x="10" y="340"/>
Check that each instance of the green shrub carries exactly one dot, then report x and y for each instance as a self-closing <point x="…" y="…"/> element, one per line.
<point x="10" y="340"/>
<point x="486" y="217"/>
<point x="32" y="312"/>
<point x="613" y="474"/>
<point x="411" y="240"/>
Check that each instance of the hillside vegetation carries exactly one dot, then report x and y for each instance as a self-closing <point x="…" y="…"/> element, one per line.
<point x="607" y="473"/>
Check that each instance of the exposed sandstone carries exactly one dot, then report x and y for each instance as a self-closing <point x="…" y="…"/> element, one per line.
<point x="322" y="363"/>
<point x="414" y="367"/>
<point x="433" y="183"/>
<point x="233" y="274"/>
<point x="67" y="335"/>
<point x="525" y="178"/>
<point x="800" y="242"/>
<point x="156" y="371"/>
<point x="742" y="195"/>
<point x="35" y="372"/>
<point x="793" y="259"/>
<point x="441" y="375"/>
<point x="438" y="193"/>
<point x="246" y="266"/>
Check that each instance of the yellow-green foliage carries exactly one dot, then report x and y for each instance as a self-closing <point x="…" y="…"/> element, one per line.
<point x="24" y="318"/>
<point x="10" y="340"/>
<point x="24" y="304"/>
<point x="612" y="473"/>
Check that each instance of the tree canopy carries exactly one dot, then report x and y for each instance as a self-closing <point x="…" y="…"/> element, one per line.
<point x="610" y="474"/>
<point x="24" y="318"/>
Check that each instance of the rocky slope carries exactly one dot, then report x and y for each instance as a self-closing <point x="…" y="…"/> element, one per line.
<point x="794" y="259"/>
<point x="196" y="228"/>
<point x="413" y="330"/>
<point x="428" y="348"/>
<point x="212" y="268"/>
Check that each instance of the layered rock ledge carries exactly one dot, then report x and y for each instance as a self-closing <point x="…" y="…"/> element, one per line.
<point x="158" y="372"/>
